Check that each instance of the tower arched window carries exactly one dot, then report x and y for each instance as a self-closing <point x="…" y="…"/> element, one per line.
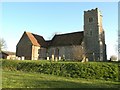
<point x="90" y="19"/>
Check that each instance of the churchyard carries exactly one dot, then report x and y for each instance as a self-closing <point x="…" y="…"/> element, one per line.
<point x="63" y="74"/>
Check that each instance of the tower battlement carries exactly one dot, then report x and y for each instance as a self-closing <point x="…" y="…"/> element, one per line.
<point x="92" y="10"/>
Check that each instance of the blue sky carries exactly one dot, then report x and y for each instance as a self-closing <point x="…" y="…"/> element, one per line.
<point x="48" y="18"/>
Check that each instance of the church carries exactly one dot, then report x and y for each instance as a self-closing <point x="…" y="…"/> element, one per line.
<point x="88" y="44"/>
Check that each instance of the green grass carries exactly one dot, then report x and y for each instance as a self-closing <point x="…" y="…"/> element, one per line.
<point x="17" y="79"/>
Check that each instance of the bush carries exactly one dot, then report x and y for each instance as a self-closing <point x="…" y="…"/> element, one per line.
<point x="89" y="70"/>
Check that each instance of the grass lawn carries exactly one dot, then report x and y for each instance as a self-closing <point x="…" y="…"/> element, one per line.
<point x="17" y="79"/>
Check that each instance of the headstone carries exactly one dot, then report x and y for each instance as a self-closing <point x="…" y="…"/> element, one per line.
<point x="86" y="60"/>
<point x="19" y="58"/>
<point x="47" y="58"/>
<point x="83" y="60"/>
<point x="23" y="58"/>
<point x="63" y="57"/>
<point x="59" y="58"/>
<point x="56" y="59"/>
<point x="52" y="57"/>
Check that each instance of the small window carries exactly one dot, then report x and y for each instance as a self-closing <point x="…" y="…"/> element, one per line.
<point x="90" y="19"/>
<point x="91" y="33"/>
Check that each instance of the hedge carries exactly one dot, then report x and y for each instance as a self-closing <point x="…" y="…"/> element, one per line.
<point x="88" y="70"/>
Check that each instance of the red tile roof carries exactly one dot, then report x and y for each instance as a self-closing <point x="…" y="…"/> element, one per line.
<point x="32" y="39"/>
<point x="40" y="40"/>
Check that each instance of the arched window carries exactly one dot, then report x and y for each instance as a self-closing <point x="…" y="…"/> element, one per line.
<point x="90" y="19"/>
<point x="90" y="33"/>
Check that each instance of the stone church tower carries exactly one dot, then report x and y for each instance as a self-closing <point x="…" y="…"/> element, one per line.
<point x="94" y="38"/>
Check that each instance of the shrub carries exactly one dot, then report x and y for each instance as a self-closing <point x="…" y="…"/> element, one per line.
<point x="89" y="70"/>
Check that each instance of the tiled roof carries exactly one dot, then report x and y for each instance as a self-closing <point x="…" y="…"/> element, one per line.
<point x="67" y="39"/>
<point x="74" y="38"/>
<point x="40" y="40"/>
<point x="48" y="43"/>
<point x="8" y="52"/>
<point x="32" y="39"/>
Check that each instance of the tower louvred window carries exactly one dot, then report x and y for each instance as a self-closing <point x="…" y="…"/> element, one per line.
<point x="90" y="19"/>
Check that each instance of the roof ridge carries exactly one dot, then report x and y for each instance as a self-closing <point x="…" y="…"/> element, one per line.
<point x="69" y="33"/>
<point x="37" y="34"/>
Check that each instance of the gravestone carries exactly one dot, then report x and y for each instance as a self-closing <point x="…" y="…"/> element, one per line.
<point x="47" y="58"/>
<point x="22" y="58"/>
<point x="56" y="59"/>
<point x="52" y="57"/>
<point x="59" y="58"/>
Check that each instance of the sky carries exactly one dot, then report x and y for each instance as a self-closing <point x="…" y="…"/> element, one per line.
<point x="119" y="30"/>
<point x="48" y="18"/>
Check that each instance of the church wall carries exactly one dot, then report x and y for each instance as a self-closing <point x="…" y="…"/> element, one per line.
<point x="24" y="48"/>
<point x="69" y="52"/>
<point x="42" y="53"/>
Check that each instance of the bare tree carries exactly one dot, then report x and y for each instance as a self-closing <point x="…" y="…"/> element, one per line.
<point x="78" y="53"/>
<point x="2" y="44"/>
